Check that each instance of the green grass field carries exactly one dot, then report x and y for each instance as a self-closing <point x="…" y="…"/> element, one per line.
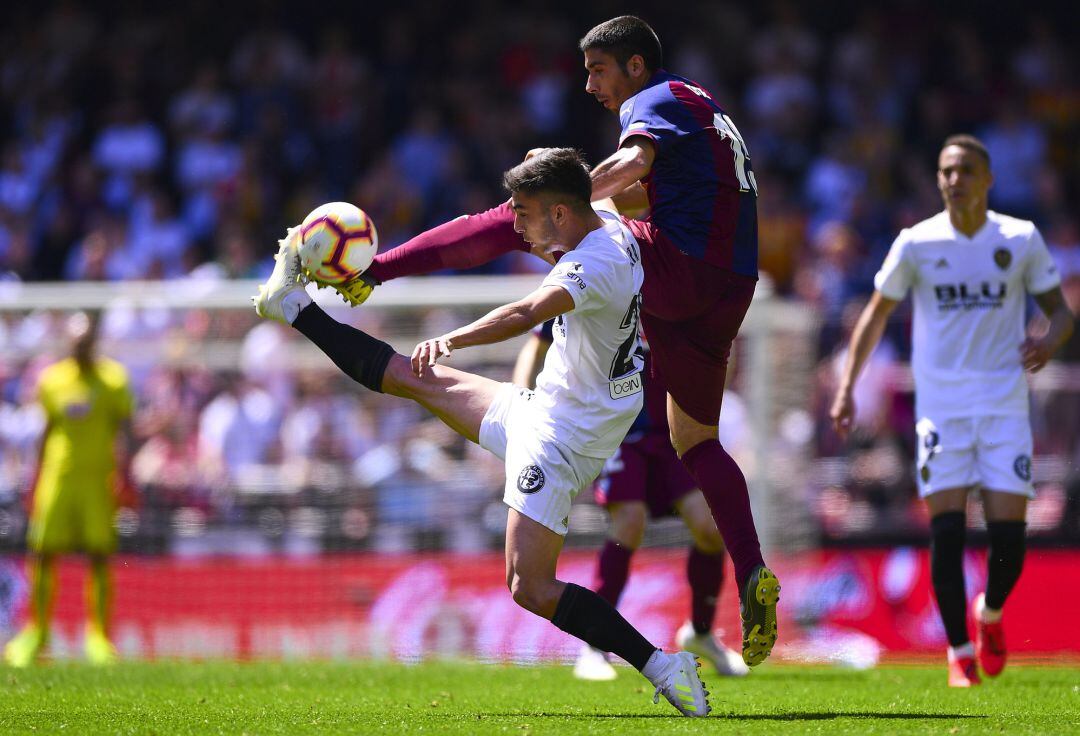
<point x="363" y="698"/>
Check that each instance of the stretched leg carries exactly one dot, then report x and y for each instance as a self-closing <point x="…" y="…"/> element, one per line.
<point x="43" y="582"/>
<point x="722" y="484"/>
<point x="465" y="242"/>
<point x="613" y="564"/>
<point x="1005" y="514"/>
<point x="458" y="398"/>
<point x="99" y="594"/>
<point x="705" y="563"/>
<point x="705" y="573"/>
<point x="531" y="553"/>
<point x="947" y="537"/>
<point x="612" y="571"/>
<point x="25" y="647"/>
<point x="99" y="650"/>
<point x="724" y="488"/>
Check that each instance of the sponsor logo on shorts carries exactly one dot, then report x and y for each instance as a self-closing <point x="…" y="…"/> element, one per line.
<point x="622" y="387"/>
<point x="1022" y="466"/>
<point x="530" y="479"/>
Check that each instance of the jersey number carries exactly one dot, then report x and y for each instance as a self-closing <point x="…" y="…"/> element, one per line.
<point x="725" y="127"/>
<point x="623" y="362"/>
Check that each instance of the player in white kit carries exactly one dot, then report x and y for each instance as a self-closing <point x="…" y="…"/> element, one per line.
<point x="554" y="440"/>
<point x="970" y="271"/>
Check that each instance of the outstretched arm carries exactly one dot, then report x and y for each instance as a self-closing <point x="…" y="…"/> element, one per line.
<point x="500" y="324"/>
<point x="1035" y="352"/>
<point x="624" y="168"/>
<point x="864" y="339"/>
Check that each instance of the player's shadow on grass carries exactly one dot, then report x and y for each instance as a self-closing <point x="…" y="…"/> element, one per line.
<point x="798" y="716"/>
<point x="805" y="716"/>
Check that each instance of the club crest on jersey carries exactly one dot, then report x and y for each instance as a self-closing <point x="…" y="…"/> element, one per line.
<point x="530" y="479"/>
<point x="1002" y="257"/>
<point x="1022" y="466"/>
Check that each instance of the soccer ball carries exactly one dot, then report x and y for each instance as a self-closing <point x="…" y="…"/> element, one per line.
<point x="337" y="242"/>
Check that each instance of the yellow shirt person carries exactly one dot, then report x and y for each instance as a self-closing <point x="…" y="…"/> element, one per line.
<point x="87" y="401"/>
<point x="74" y="502"/>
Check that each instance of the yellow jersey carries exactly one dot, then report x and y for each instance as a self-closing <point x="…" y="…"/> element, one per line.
<point x="85" y="410"/>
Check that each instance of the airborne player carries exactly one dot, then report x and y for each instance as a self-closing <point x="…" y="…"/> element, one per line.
<point x="970" y="271"/>
<point x="680" y="151"/>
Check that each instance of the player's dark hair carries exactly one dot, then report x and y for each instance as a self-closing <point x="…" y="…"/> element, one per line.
<point x="561" y="172"/>
<point x="969" y="143"/>
<point x="623" y="37"/>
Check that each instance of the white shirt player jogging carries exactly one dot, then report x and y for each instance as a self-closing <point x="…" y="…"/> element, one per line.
<point x="969" y="296"/>
<point x="589" y="391"/>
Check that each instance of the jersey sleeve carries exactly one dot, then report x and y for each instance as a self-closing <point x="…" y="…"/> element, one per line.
<point x="583" y="277"/>
<point x="1041" y="274"/>
<point x="656" y="114"/>
<point x="897" y="273"/>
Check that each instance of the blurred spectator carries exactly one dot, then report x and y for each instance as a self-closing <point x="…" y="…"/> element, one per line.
<point x="1017" y="147"/>
<point x="238" y="429"/>
<point x="129" y="144"/>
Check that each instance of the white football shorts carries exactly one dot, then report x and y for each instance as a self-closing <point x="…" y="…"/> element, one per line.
<point x="989" y="452"/>
<point x="542" y="476"/>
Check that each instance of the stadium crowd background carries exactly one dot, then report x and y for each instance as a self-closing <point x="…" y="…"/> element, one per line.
<point x="139" y="144"/>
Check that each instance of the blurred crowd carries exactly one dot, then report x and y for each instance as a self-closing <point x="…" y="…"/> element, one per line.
<point x="140" y="143"/>
<point x="271" y="456"/>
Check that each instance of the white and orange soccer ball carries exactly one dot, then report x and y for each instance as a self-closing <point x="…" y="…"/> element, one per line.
<point x="337" y="243"/>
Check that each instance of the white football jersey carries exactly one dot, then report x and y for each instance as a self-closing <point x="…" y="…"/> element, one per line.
<point x="589" y="391"/>
<point x="969" y="296"/>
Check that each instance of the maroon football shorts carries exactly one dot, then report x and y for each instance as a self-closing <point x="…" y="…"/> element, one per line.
<point x="691" y="313"/>
<point x="646" y="469"/>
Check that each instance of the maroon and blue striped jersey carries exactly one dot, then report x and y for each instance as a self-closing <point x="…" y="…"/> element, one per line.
<point x="702" y="192"/>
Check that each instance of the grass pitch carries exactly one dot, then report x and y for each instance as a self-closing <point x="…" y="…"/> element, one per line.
<point x="377" y="698"/>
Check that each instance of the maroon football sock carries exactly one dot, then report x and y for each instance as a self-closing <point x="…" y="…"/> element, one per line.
<point x="612" y="571"/>
<point x="465" y="242"/>
<point x="705" y="574"/>
<point x="724" y="486"/>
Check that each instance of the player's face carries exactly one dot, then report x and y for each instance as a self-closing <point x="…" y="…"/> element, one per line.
<point x="963" y="178"/>
<point x="532" y="218"/>
<point x="608" y="81"/>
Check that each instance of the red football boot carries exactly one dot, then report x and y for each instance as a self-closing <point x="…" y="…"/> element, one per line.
<point x="989" y="640"/>
<point x="962" y="671"/>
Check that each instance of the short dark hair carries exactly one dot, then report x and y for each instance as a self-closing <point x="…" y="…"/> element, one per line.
<point x="970" y="143"/>
<point x="561" y="172"/>
<point x="624" y="37"/>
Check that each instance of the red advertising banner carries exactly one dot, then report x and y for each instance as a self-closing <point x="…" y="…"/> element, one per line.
<point x="847" y="607"/>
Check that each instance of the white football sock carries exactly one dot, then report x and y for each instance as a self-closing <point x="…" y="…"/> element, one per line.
<point x="964" y="650"/>
<point x="293" y="302"/>
<point x="656" y="668"/>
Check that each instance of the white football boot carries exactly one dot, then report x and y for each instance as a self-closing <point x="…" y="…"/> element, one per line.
<point x="592" y="664"/>
<point x="283" y="295"/>
<point x="726" y="661"/>
<point x="681" y="684"/>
